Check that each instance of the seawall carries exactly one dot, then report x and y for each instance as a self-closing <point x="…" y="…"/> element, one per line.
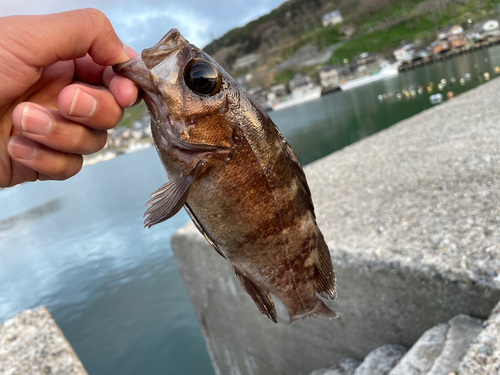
<point x="412" y="219"/>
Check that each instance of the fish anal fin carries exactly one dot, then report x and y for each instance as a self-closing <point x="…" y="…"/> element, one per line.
<point x="319" y="310"/>
<point x="261" y="298"/>
<point x="170" y="198"/>
<point x="325" y="283"/>
<point x="202" y="230"/>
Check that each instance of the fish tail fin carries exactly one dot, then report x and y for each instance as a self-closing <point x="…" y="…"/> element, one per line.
<point x="320" y="309"/>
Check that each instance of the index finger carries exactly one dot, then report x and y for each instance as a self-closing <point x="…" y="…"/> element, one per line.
<point x="64" y="36"/>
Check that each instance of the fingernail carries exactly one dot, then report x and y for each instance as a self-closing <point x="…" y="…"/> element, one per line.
<point x="22" y="148"/>
<point x="35" y="121"/>
<point x="133" y="96"/>
<point x="83" y="104"/>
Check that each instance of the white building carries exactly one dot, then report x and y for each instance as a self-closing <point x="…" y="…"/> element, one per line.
<point x="332" y="18"/>
<point x="329" y="76"/>
<point x="488" y="28"/>
<point x="404" y="53"/>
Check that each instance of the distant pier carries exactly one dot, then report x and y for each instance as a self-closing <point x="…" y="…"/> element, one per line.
<point x="409" y="65"/>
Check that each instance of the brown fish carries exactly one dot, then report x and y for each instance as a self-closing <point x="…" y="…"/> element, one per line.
<point x="237" y="177"/>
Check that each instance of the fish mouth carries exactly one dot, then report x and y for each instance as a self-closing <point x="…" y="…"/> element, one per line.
<point x="135" y="70"/>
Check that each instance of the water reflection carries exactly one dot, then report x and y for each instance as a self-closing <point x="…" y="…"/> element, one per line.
<point x="32" y="214"/>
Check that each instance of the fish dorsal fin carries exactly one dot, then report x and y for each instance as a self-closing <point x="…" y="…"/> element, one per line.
<point x="261" y="298"/>
<point x="169" y="198"/>
<point x="202" y="230"/>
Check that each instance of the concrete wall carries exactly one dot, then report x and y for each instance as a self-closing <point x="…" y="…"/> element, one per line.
<point x="411" y="216"/>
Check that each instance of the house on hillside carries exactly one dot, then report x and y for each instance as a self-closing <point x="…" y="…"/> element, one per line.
<point x="404" y="53"/>
<point x="488" y="28"/>
<point x="332" y="18"/>
<point x="329" y="76"/>
<point x="449" y="38"/>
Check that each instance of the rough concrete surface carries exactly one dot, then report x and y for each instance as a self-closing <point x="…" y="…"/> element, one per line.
<point x="411" y="216"/>
<point x="483" y="356"/>
<point x="31" y="343"/>
<point x="463" y="330"/>
<point x="424" y="352"/>
<point x="346" y="366"/>
<point x="381" y="360"/>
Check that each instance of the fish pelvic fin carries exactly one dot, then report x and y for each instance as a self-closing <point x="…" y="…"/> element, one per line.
<point x="169" y="198"/>
<point x="325" y="282"/>
<point x="319" y="310"/>
<point x="261" y="298"/>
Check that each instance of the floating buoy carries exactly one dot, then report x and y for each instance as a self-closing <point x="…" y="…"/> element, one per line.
<point x="413" y="93"/>
<point x="450" y="94"/>
<point x="440" y="87"/>
<point x="443" y="82"/>
<point x="497" y="69"/>
<point x="407" y="94"/>
<point x="462" y="81"/>
<point x="486" y="76"/>
<point x="399" y="96"/>
<point x="436" y="99"/>
<point x="429" y="89"/>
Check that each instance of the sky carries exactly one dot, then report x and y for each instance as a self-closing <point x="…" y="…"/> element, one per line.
<point x="141" y="24"/>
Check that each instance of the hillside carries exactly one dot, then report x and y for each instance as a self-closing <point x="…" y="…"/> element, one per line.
<point x="380" y="26"/>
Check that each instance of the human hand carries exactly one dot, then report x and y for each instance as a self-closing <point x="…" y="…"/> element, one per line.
<point x="58" y="92"/>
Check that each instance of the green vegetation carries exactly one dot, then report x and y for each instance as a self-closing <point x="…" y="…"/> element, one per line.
<point x="386" y="39"/>
<point x="133" y="114"/>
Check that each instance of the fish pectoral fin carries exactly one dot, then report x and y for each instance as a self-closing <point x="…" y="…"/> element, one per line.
<point x="261" y="298"/>
<point x="202" y="230"/>
<point x="169" y="198"/>
<point x="325" y="282"/>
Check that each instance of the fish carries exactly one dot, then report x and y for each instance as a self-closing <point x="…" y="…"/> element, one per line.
<point x="237" y="177"/>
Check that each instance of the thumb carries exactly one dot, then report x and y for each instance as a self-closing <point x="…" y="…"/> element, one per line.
<point x="63" y="36"/>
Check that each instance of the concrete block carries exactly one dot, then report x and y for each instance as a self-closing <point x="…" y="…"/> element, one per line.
<point x="31" y="343"/>
<point x="421" y="356"/>
<point x="412" y="219"/>
<point x="483" y="356"/>
<point x="463" y="330"/>
<point x="381" y="360"/>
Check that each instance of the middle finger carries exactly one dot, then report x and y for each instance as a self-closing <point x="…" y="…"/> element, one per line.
<point x="53" y="130"/>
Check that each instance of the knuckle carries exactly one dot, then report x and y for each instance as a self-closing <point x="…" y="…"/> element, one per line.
<point x="67" y="167"/>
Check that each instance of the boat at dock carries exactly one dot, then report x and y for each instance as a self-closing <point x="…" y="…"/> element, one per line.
<point x="298" y="97"/>
<point x="387" y="71"/>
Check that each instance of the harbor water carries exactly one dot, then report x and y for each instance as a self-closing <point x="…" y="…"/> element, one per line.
<point x="78" y="247"/>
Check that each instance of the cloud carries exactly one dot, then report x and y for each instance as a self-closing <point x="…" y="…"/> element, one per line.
<point x="142" y="24"/>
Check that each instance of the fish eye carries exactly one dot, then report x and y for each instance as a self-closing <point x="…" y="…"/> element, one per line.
<point x="202" y="77"/>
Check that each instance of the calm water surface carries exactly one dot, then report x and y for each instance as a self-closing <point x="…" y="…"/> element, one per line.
<point x="78" y="247"/>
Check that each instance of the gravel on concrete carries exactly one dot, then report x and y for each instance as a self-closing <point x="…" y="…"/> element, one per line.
<point x="31" y="343"/>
